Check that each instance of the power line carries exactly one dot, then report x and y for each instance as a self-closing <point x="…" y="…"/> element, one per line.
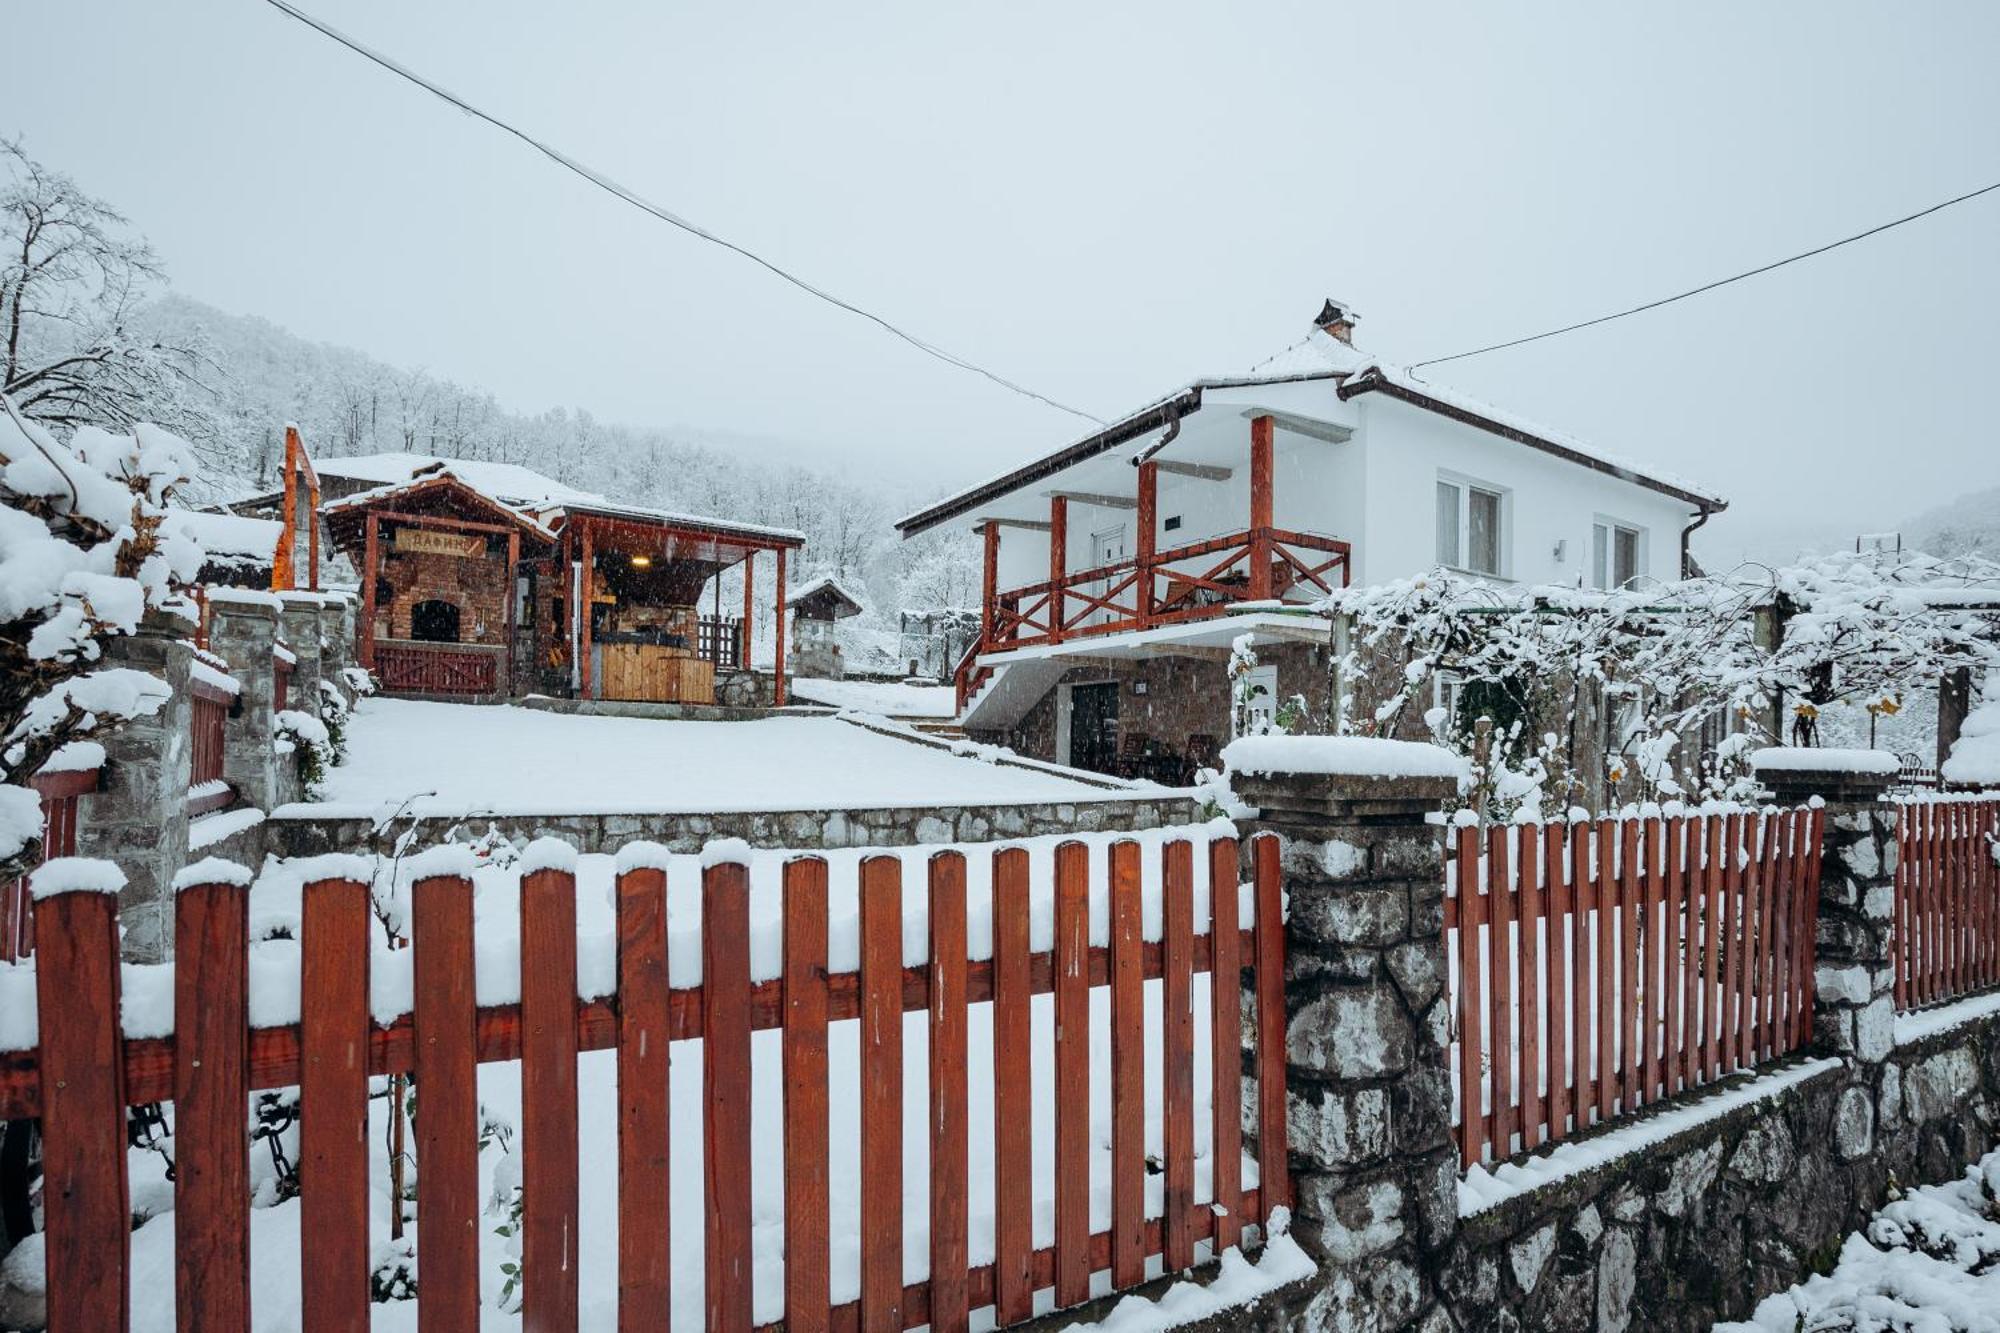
<point x="605" y="183"/>
<point x="1711" y="286"/>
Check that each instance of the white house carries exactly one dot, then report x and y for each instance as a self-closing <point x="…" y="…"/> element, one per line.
<point x="1121" y="567"/>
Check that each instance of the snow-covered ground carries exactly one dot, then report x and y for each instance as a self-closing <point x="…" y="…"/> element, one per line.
<point x="1929" y="1261"/>
<point x="888" y="697"/>
<point x="460" y="759"/>
<point x="275" y="1235"/>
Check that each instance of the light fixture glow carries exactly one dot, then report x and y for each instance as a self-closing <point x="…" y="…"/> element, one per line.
<point x="641" y="561"/>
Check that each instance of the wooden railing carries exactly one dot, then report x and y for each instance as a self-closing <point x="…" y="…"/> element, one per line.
<point x="208" y="721"/>
<point x="1947" y="922"/>
<point x="1192" y="582"/>
<point x="79" y="1085"/>
<point x="719" y="639"/>
<point x="60" y="793"/>
<point x="409" y="667"/>
<point x="1601" y="966"/>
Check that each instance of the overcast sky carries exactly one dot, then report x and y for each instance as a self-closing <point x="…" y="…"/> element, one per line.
<point x="1101" y="202"/>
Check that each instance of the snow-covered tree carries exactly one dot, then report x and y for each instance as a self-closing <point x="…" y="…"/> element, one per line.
<point x="84" y="555"/>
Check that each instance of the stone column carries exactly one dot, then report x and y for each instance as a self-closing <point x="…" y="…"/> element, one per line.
<point x="336" y="639"/>
<point x="138" y="818"/>
<point x="301" y="623"/>
<point x="1854" y="979"/>
<point x="242" y="627"/>
<point x="1368" y="1020"/>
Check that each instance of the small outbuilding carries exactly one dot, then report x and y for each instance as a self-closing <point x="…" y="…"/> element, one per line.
<point x="819" y="603"/>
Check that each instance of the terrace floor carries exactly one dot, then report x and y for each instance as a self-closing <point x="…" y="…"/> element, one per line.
<point x="443" y="759"/>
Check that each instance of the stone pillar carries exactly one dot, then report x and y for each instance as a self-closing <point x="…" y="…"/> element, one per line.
<point x="1368" y="1026"/>
<point x="336" y="640"/>
<point x="1854" y="978"/>
<point x="242" y="628"/>
<point x="301" y="623"/>
<point x="138" y="818"/>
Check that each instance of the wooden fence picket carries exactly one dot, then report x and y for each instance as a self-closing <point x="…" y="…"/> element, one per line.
<point x="1273" y="1145"/>
<point x="1177" y="1053"/>
<point x="548" y="1102"/>
<point x="211" y="1090"/>
<point x="881" y="1095"/>
<point x="1128" y="1070"/>
<point x="1561" y="968"/>
<point x="1072" y="1054"/>
<point x="447" y="1078"/>
<point x="335" y="928"/>
<point x="87" y="1212"/>
<point x="644" y="1214"/>
<point x="1527" y="970"/>
<point x="725" y="1069"/>
<point x="950" y="1115"/>
<point x="807" y="1197"/>
<point x="1631" y="1030"/>
<point x="1013" y="1147"/>
<point x="1226" y="1042"/>
<point x="1499" y="985"/>
<point x="1471" y="997"/>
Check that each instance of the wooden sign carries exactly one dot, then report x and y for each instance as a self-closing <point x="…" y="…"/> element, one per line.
<point x="428" y="541"/>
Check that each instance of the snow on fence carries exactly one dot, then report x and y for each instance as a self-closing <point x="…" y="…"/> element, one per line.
<point x="1093" y="932"/>
<point x="60" y="792"/>
<point x="1947" y="923"/>
<point x="1622" y="961"/>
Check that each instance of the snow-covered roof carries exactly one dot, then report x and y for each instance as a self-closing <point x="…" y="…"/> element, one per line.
<point x="530" y="515"/>
<point x="823" y="583"/>
<point x="708" y="522"/>
<point x="509" y="482"/>
<point x="1318" y="355"/>
<point x="231" y="537"/>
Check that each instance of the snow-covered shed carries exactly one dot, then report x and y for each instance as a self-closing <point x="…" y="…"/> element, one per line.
<point x="819" y="602"/>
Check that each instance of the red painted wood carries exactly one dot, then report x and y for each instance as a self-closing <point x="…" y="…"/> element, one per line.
<point x="725" y="1071"/>
<point x="1072" y="1056"/>
<point x="1527" y="964"/>
<point x="807" y="1264"/>
<point x="950" y="1116"/>
<point x="85" y="1191"/>
<point x="1500" y="987"/>
<point x="1684" y="950"/>
<point x="211" y="1090"/>
<point x="1177" y="1052"/>
<point x="1630" y="968"/>
<point x="1013" y="1155"/>
<point x="1766" y="981"/>
<point x="548" y="1102"/>
<point x="1653" y="945"/>
<point x="1273" y="1143"/>
<point x="334" y="1039"/>
<point x="1605" y="885"/>
<point x="1262" y="437"/>
<point x="1058" y="571"/>
<point x="1226" y="1043"/>
<point x="644" y="1233"/>
<point x="1583" y="945"/>
<point x="881" y="1095"/>
<point x="1714" y="927"/>
<point x="779" y="682"/>
<point x="1471" y="1000"/>
<point x="1562" y="968"/>
<point x="1128" y="1071"/>
<point x="448" y="1198"/>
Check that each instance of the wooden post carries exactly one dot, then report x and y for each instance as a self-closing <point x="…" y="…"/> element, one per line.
<point x="1149" y="522"/>
<point x="312" y="535"/>
<point x="583" y="595"/>
<point x="1058" y="563"/>
<point x="1260" y="508"/>
<point x="749" y="606"/>
<point x="211" y="1088"/>
<point x="284" y="576"/>
<point x="370" y="560"/>
<point x="989" y="585"/>
<point x="778" y="666"/>
<point x="513" y="598"/>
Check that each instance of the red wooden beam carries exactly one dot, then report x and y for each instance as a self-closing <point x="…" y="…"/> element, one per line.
<point x="778" y="666"/>
<point x="1261" y="441"/>
<point x="1058" y="564"/>
<point x="749" y="610"/>
<point x="989" y="585"/>
<point x="370" y="563"/>
<point x="1148" y="524"/>
<point x="583" y="596"/>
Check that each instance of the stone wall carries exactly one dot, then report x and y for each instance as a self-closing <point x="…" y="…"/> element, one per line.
<point x="478" y="587"/>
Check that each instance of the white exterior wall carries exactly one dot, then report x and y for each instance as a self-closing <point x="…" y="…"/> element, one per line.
<point x="1546" y="500"/>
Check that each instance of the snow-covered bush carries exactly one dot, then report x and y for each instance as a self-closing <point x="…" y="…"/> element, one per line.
<point x="310" y="745"/>
<point x="359" y="683"/>
<point x="83" y="557"/>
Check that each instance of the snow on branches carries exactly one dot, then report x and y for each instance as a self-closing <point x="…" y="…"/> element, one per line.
<point x="1572" y="677"/>
<point x="83" y="557"/>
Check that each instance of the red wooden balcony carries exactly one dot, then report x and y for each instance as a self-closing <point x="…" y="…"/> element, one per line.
<point x="1198" y="581"/>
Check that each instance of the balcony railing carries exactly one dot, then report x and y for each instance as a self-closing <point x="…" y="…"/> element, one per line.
<point x="1193" y="582"/>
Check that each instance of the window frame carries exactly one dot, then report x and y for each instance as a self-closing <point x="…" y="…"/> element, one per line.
<point x="1460" y="557"/>
<point x="1604" y="559"/>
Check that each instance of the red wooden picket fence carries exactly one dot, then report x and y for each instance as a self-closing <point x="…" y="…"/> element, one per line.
<point x="451" y="669"/>
<point x="1947" y="924"/>
<point x="60" y="793"/>
<point x="1601" y="966"/>
<point x="80" y="1086"/>
<point x="208" y="721"/>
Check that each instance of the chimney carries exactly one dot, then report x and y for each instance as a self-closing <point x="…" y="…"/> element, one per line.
<point x="1338" y="319"/>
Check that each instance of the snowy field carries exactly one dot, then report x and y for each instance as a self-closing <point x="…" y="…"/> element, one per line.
<point x="275" y="1237"/>
<point x="888" y="697"/>
<point x="1929" y="1261"/>
<point x="459" y="759"/>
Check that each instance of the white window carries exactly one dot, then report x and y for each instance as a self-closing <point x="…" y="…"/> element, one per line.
<point x="1471" y="521"/>
<point x="1615" y="553"/>
<point x="1257" y="712"/>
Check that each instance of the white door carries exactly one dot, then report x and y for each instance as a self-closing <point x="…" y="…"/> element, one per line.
<point x="1107" y="548"/>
